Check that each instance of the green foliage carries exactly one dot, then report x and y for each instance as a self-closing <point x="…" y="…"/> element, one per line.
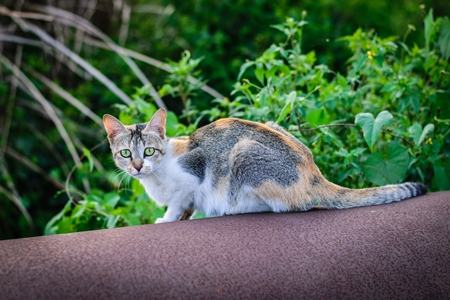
<point x="372" y="107"/>
<point x="178" y="84"/>
<point x="319" y="106"/>
<point x="372" y="127"/>
<point x="405" y="86"/>
<point x="444" y="38"/>
<point x="387" y="167"/>
<point x="100" y="210"/>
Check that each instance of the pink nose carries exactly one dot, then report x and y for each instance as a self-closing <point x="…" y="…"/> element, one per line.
<point x="138" y="168"/>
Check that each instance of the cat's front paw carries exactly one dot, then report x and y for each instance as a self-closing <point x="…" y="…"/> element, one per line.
<point x="161" y="220"/>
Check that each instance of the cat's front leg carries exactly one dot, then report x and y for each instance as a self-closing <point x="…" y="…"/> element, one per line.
<point x="176" y="213"/>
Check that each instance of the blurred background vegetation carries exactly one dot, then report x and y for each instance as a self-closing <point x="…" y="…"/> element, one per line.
<point x="63" y="64"/>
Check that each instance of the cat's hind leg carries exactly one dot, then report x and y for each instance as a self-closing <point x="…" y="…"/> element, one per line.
<point x="187" y="214"/>
<point x="271" y="177"/>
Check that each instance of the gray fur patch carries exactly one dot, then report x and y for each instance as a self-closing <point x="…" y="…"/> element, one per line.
<point x="256" y="163"/>
<point x="315" y="180"/>
<point x="194" y="162"/>
<point x="272" y="159"/>
<point x="292" y="138"/>
<point x="136" y="134"/>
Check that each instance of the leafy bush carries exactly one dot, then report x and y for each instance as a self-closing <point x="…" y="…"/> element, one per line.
<point x="66" y="63"/>
<point x="406" y="86"/>
<point x="385" y="121"/>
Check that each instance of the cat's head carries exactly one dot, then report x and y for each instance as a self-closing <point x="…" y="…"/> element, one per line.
<point x="137" y="149"/>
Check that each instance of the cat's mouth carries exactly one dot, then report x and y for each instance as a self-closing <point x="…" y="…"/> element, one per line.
<point x="139" y="175"/>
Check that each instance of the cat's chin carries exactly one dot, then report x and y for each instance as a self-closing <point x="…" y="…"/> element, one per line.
<point x="139" y="175"/>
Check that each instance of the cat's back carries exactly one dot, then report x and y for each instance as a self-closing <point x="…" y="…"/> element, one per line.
<point x="225" y="133"/>
<point x="219" y="138"/>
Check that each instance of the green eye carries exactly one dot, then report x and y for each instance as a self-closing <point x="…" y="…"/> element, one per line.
<point x="149" y="151"/>
<point x="125" y="153"/>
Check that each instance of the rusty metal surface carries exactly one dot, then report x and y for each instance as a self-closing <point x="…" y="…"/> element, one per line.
<point x="399" y="250"/>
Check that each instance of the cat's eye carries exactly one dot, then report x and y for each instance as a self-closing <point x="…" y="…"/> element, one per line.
<point x="125" y="153"/>
<point x="149" y="151"/>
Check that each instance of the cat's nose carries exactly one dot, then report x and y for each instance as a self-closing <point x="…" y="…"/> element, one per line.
<point x="138" y="168"/>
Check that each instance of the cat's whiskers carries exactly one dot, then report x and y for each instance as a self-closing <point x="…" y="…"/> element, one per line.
<point x="152" y="173"/>
<point x="122" y="175"/>
<point x="117" y="172"/>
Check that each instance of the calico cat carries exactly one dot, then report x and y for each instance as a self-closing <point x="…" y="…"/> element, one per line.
<point x="233" y="166"/>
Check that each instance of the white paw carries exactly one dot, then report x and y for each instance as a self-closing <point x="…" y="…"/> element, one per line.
<point x="161" y="220"/>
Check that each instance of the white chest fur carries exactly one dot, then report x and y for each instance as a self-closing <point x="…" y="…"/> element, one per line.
<point x="169" y="182"/>
<point x="172" y="186"/>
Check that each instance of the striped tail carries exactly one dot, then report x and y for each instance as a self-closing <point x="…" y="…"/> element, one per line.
<point x="346" y="198"/>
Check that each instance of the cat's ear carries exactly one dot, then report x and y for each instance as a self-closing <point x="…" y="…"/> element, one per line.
<point x="157" y="123"/>
<point x="113" y="126"/>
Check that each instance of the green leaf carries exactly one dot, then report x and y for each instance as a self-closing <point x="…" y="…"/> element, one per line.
<point x="389" y="87"/>
<point x="166" y="90"/>
<point x="415" y="130"/>
<point x="387" y="170"/>
<point x="126" y="118"/>
<point x="51" y="228"/>
<point x="133" y="220"/>
<point x="259" y="73"/>
<point x="372" y="128"/>
<point x="278" y="27"/>
<point x="141" y="105"/>
<point x="78" y="210"/>
<point x="65" y="225"/>
<point x="171" y="124"/>
<point x="318" y="117"/>
<point x="287" y="107"/>
<point x="112" y="221"/>
<point x="429" y="29"/>
<point x="444" y="38"/>
<point x="427" y="129"/>
<point x="244" y="67"/>
<point x="418" y="134"/>
<point x="111" y="199"/>
<point x="88" y="155"/>
<point x="442" y="175"/>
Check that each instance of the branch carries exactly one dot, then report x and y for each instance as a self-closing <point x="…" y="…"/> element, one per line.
<point x="26" y="26"/>
<point x="66" y="184"/>
<point x="72" y="19"/>
<point x="155" y="63"/>
<point x="67" y="96"/>
<point x="25" y="161"/>
<point x="328" y="125"/>
<point x="14" y="195"/>
<point x="45" y="104"/>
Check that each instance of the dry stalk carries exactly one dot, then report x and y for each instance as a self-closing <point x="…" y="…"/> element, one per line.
<point x="32" y="166"/>
<point x="44" y="103"/>
<point x="14" y="194"/>
<point x="155" y="63"/>
<point x="77" y="21"/>
<point x="67" y="96"/>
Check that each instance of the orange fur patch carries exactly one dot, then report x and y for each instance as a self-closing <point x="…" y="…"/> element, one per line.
<point x="223" y="123"/>
<point x="286" y="139"/>
<point x="301" y="195"/>
<point x="179" y="146"/>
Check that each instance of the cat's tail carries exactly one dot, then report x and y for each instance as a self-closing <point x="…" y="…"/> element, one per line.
<point x="340" y="197"/>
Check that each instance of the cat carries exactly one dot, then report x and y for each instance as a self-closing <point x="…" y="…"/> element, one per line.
<point x="233" y="166"/>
